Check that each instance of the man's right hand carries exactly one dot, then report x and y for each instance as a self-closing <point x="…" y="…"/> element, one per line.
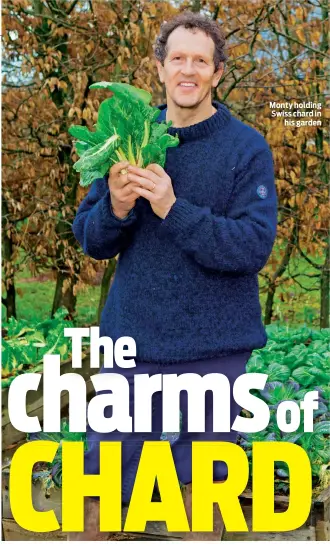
<point x="122" y="196"/>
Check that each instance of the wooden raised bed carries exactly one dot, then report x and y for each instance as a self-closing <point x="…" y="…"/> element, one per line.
<point x="34" y="399"/>
<point x="316" y="527"/>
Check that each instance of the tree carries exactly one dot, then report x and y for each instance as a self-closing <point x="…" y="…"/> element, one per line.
<point x="63" y="47"/>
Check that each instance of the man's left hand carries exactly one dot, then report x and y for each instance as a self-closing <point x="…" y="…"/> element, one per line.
<point x="155" y="185"/>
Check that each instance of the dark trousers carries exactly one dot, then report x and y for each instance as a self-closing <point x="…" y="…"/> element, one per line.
<point x="231" y="366"/>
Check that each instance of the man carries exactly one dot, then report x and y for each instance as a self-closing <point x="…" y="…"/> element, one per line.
<point x="191" y="240"/>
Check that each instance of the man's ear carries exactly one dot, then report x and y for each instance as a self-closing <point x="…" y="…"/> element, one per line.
<point x="217" y="75"/>
<point x="160" y="69"/>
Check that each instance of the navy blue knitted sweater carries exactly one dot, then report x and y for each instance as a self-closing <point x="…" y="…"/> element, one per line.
<point x="186" y="287"/>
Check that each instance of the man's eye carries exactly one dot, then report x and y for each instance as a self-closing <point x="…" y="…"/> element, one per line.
<point x="175" y="58"/>
<point x="201" y="60"/>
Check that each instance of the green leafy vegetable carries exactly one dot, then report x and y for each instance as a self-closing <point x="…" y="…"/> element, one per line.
<point x="24" y="345"/>
<point x="278" y="372"/>
<point x="303" y="375"/>
<point x="296" y="362"/>
<point x="126" y="130"/>
<point x="51" y="475"/>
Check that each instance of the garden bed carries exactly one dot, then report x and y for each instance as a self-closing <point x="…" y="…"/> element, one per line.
<point x="296" y="361"/>
<point x="23" y="347"/>
<point x="316" y="527"/>
<point x="34" y="402"/>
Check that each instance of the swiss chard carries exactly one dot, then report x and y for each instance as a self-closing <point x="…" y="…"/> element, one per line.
<point x="126" y="130"/>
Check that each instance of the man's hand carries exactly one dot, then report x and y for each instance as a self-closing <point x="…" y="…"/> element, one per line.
<point x="122" y="192"/>
<point x="155" y="185"/>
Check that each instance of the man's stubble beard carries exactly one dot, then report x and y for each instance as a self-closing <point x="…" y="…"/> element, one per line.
<point x="195" y="105"/>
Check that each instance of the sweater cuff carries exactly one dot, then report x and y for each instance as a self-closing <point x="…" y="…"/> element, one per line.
<point x="179" y="219"/>
<point x="110" y="218"/>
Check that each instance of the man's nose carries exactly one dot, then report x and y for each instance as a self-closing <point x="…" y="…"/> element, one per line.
<point x="188" y="67"/>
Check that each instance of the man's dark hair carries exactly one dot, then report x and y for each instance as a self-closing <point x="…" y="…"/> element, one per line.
<point x="191" y="20"/>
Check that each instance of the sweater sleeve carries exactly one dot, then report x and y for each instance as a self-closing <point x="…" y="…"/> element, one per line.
<point x="242" y="240"/>
<point x="100" y="233"/>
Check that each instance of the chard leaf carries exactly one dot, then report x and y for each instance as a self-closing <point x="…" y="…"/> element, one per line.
<point x="320" y="375"/>
<point x="124" y="90"/>
<point x="152" y="153"/>
<point x="81" y="147"/>
<point x="155" y="152"/>
<point x="87" y="177"/>
<point x="126" y="129"/>
<point x="97" y="155"/>
<point x="157" y="130"/>
<point x="82" y="133"/>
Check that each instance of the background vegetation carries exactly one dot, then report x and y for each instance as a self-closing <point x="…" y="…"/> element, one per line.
<point x="53" y="50"/>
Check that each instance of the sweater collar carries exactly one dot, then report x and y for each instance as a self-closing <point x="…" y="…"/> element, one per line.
<point x="202" y="129"/>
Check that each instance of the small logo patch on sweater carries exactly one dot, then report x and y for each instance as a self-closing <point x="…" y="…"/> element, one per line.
<point x="262" y="191"/>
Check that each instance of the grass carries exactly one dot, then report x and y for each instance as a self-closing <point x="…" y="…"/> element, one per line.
<point x="34" y="299"/>
<point x="34" y="302"/>
<point x="293" y="304"/>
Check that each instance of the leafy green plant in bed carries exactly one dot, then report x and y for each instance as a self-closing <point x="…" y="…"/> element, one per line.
<point x="296" y="361"/>
<point x="50" y="474"/>
<point x="126" y="130"/>
<point x="24" y="344"/>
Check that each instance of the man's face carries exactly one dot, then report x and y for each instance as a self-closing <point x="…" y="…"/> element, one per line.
<point x="189" y="60"/>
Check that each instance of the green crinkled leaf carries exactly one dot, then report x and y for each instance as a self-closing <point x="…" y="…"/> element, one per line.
<point x="157" y="131"/>
<point x="154" y="152"/>
<point x="318" y="346"/>
<point x="81" y="147"/>
<point x="278" y="372"/>
<point x="320" y="375"/>
<point x="27" y="355"/>
<point x="124" y="90"/>
<point x="281" y="393"/>
<point x="61" y="313"/>
<point x="9" y="362"/>
<point x="296" y="357"/>
<point x="83" y="134"/>
<point x="323" y="334"/>
<point x="35" y="337"/>
<point x="322" y="427"/>
<point x="315" y="359"/>
<point x="301" y="394"/>
<point x="87" y="177"/>
<point x="98" y="155"/>
<point x="24" y="351"/>
<point x="256" y="364"/>
<point x="304" y="376"/>
<point x="17" y="329"/>
<point x="273" y="357"/>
